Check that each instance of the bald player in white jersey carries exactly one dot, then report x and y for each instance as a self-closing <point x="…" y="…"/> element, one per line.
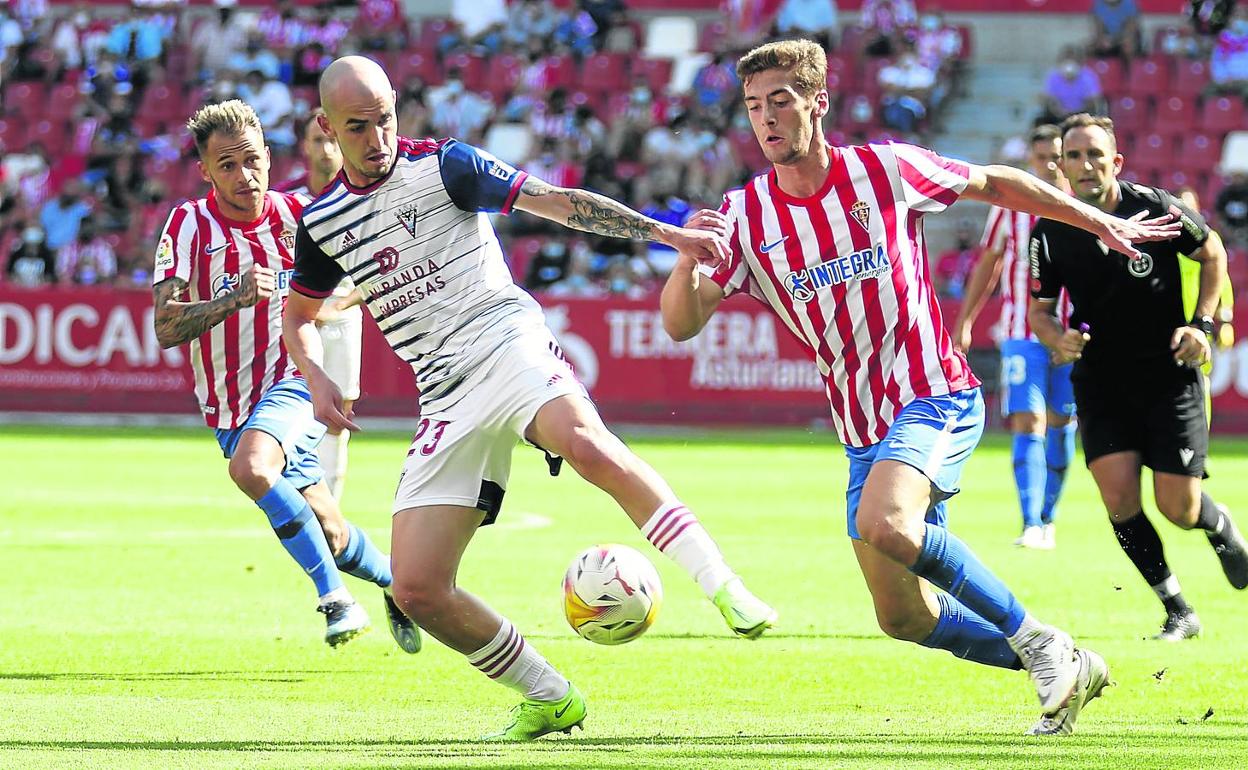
<point x="406" y="220"/>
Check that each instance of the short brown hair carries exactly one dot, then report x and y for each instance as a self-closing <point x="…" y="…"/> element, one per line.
<point x="232" y="118"/>
<point x="804" y="58"/>
<point x="1045" y="132"/>
<point x="1085" y="120"/>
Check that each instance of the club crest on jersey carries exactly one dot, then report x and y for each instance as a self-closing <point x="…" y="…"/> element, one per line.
<point x="861" y="212"/>
<point x="288" y="240"/>
<point x="407" y="218"/>
<point x="387" y="259"/>
<point x="860" y="265"/>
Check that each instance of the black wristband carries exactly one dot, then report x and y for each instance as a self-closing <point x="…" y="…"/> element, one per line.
<point x="1203" y="323"/>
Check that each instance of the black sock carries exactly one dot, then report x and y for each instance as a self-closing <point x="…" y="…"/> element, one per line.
<point x="1210" y="517"/>
<point x="1142" y="544"/>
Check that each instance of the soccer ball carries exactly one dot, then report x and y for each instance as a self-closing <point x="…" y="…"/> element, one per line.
<point x="611" y="594"/>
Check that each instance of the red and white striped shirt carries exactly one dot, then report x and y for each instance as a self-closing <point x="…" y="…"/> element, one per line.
<point x="237" y="360"/>
<point x="1009" y="232"/>
<point x="846" y="271"/>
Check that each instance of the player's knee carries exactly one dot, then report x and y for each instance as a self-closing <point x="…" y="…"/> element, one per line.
<point x="252" y="475"/>
<point x="881" y="532"/>
<point x="421" y="598"/>
<point x="1120" y="505"/>
<point x="1027" y="422"/>
<point x="596" y="455"/>
<point x="1181" y="509"/>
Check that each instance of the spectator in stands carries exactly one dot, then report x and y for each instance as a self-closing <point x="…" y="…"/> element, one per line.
<point x="578" y="281"/>
<point x="588" y="133"/>
<point x="936" y="42"/>
<point x="255" y="56"/>
<point x="907" y="88"/>
<point x="814" y="19"/>
<point x="139" y="40"/>
<point x="31" y="263"/>
<point x="623" y="280"/>
<point x="87" y="260"/>
<point x="530" y="20"/>
<point x="553" y="117"/>
<point x="1115" y="28"/>
<point x="271" y="100"/>
<point x="1071" y="87"/>
<point x="672" y="210"/>
<point x="115" y="134"/>
<point x="606" y="15"/>
<point x="666" y="152"/>
<point x="554" y="162"/>
<point x="1228" y="67"/>
<point x="954" y="265"/>
<point x="456" y="111"/>
<point x="283" y="29"/>
<point x="124" y="190"/>
<point x="328" y="30"/>
<point x="62" y="216"/>
<point x="66" y="39"/>
<point x="11" y="39"/>
<point x="414" y="112"/>
<point x="716" y="82"/>
<point x="885" y="22"/>
<point x="380" y="25"/>
<point x="548" y="266"/>
<point x="216" y="42"/>
<point x="308" y="64"/>
<point x="1232" y="210"/>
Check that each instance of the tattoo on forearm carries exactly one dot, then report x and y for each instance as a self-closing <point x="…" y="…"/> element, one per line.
<point x="595" y="213"/>
<point x="178" y="321"/>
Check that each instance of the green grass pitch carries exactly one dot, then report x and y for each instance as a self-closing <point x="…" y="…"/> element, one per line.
<point x="150" y="620"/>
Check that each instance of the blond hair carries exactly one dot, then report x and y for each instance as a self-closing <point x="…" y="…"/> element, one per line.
<point x="231" y="118"/>
<point x="804" y="59"/>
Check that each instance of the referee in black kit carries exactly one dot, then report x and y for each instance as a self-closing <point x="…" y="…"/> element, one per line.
<point x="1137" y="380"/>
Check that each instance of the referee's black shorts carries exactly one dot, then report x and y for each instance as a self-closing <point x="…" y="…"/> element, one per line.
<point x="1162" y="419"/>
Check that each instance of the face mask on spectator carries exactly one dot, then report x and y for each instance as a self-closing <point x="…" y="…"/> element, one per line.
<point x="641" y="95"/>
<point x="32" y="235"/>
<point x="1240" y="26"/>
<point x="81" y="20"/>
<point x="930" y="23"/>
<point x="1070" y="68"/>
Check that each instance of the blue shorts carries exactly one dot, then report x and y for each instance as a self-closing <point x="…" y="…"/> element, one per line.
<point x="1030" y="382"/>
<point x="285" y="413"/>
<point x="935" y="435"/>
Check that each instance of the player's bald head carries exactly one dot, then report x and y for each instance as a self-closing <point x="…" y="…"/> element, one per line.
<point x="353" y="79"/>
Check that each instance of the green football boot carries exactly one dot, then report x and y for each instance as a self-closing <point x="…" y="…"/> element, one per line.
<point x="532" y="719"/>
<point x="745" y="613"/>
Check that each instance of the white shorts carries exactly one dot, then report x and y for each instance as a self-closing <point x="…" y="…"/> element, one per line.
<point x="461" y="454"/>
<point x="342" y="339"/>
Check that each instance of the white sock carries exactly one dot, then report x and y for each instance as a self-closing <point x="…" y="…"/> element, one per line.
<point x="1028" y="627"/>
<point x="339" y="594"/>
<point x="675" y="531"/>
<point x="1167" y="588"/>
<point x="509" y="660"/>
<point x="333" y="454"/>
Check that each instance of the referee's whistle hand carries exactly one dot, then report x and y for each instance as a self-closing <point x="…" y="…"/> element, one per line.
<point x="1070" y="346"/>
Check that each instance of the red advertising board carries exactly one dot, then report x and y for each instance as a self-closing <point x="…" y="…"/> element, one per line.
<point x="94" y="350"/>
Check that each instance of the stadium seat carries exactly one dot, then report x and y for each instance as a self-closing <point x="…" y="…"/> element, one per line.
<point x="1174" y="114"/>
<point x="670" y="37"/>
<point x="431" y="31"/>
<point x="1222" y="114"/>
<point x="1234" y="153"/>
<point x="162" y="102"/>
<point x="512" y="142"/>
<point x="967" y="35"/>
<point x="12" y="135"/>
<point x="27" y="100"/>
<point x="52" y="134"/>
<point x="63" y="101"/>
<point x="842" y="66"/>
<point x="657" y="72"/>
<point x="1160" y="147"/>
<point x="1110" y="73"/>
<point x="520" y="252"/>
<point x="504" y="72"/>
<point x="1147" y="77"/>
<point x="1179" y="178"/>
<point x="604" y="72"/>
<point x="411" y="64"/>
<point x="1191" y="76"/>
<point x="1129" y="114"/>
<point x="712" y="36"/>
<point x="1200" y="151"/>
<point x="471" y="69"/>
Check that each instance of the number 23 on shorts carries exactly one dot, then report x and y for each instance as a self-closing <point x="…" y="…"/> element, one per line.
<point x="428" y="434"/>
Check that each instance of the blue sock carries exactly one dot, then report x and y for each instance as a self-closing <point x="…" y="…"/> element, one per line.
<point x="296" y="526"/>
<point x="1059" y="447"/>
<point x="362" y="559"/>
<point x="1029" y="475"/>
<point x="969" y="636"/>
<point x="946" y="562"/>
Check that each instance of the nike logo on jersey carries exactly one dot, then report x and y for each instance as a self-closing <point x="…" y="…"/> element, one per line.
<point x="214" y="249"/>
<point x="766" y="247"/>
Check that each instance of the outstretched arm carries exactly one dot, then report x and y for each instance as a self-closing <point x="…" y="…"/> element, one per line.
<point x="304" y="345"/>
<point x="178" y="322"/>
<point x="594" y="213"/>
<point x="1013" y="189"/>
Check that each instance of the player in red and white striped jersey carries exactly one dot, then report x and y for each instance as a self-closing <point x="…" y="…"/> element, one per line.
<point x="221" y="274"/>
<point x="1030" y="383"/>
<point x="342" y="335"/>
<point x="832" y="240"/>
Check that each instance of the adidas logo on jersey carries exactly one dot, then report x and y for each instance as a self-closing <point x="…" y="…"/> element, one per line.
<point x="348" y="239"/>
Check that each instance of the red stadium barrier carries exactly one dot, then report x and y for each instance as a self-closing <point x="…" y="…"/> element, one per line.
<point x="94" y="350"/>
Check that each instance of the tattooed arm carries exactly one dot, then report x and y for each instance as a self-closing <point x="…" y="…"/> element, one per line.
<point x="179" y="322"/>
<point x="594" y="213"/>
